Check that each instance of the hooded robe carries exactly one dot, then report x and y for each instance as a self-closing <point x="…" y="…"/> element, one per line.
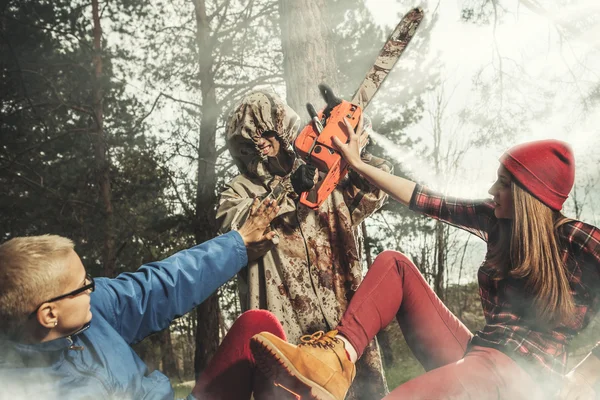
<point x="309" y="276"/>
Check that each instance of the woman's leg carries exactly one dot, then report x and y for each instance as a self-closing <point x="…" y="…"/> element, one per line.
<point x="394" y="287"/>
<point x="231" y="372"/>
<point x="483" y="374"/>
<point x="320" y="367"/>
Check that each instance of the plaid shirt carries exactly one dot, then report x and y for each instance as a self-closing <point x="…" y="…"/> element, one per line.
<point x="511" y="326"/>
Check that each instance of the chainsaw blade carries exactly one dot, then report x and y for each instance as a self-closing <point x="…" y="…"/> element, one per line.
<point x="389" y="54"/>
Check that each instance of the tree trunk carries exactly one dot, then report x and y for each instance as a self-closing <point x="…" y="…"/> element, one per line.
<point x="440" y="243"/>
<point x="309" y="59"/>
<point x="101" y="150"/>
<point x="308" y="52"/>
<point x="207" y="328"/>
<point x="440" y="234"/>
<point x="169" y="362"/>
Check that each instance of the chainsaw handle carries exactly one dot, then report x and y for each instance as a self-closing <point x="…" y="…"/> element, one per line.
<point x="304" y="200"/>
<point x="327" y="185"/>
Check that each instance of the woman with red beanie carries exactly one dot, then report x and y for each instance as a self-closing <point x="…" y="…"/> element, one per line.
<point x="539" y="286"/>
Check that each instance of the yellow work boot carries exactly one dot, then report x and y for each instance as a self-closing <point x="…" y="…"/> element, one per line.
<point x="318" y="367"/>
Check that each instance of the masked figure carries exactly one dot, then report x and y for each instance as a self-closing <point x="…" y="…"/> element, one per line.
<point x="306" y="276"/>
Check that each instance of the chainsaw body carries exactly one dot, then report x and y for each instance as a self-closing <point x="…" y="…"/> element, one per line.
<point x="317" y="148"/>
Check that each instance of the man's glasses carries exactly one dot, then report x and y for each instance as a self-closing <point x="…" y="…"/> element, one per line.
<point x="91" y="286"/>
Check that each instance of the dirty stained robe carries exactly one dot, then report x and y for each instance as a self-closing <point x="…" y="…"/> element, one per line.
<point x="308" y="278"/>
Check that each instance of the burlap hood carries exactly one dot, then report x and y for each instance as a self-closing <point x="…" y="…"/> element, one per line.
<point x="256" y="113"/>
<point x="305" y="279"/>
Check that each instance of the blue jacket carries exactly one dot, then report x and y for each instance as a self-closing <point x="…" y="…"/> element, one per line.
<point x="98" y="362"/>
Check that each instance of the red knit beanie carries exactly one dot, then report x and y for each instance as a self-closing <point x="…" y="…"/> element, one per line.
<point x="545" y="168"/>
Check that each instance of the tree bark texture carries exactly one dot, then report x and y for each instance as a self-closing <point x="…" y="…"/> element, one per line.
<point x="308" y="52"/>
<point x="169" y="362"/>
<point x="207" y="328"/>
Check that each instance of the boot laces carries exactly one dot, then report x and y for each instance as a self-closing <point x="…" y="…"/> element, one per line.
<point x="319" y="339"/>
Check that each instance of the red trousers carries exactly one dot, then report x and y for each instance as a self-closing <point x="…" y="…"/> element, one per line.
<point x="394" y="287"/>
<point x="231" y="374"/>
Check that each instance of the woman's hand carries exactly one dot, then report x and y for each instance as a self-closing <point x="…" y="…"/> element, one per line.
<point x="351" y="151"/>
<point x="256" y="228"/>
<point x="576" y="386"/>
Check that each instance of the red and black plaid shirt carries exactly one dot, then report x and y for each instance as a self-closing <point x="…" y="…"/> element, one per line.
<point x="511" y="326"/>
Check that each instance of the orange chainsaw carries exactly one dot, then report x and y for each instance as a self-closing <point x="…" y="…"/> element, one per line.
<point x="314" y="144"/>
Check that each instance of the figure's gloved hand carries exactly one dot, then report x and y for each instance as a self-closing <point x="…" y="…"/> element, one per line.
<point x="303" y="178"/>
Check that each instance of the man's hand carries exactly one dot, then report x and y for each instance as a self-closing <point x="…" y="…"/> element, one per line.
<point x="256" y="228"/>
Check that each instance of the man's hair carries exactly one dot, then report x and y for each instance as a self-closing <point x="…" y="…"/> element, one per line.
<point x="30" y="273"/>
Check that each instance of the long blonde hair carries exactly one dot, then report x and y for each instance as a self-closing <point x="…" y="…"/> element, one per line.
<point x="528" y="247"/>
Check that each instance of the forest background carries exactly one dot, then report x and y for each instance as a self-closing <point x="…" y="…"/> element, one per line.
<point x="112" y="119"/>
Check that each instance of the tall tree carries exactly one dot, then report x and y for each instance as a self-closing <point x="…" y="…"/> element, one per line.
<point x="53" y="96"/>
<point x="202" y="65"/>
<point x="207" y="338"/>
<point x="310" y="58"/>
<point x="100" y="148"/>
<point x="308" y="51"/>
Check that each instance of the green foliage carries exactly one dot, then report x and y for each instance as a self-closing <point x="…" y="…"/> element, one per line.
<point x="48" y="127"/>
<point x="152" y="106"/>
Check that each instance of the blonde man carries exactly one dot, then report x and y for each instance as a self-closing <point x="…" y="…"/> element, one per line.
<point x="64" y="334"/>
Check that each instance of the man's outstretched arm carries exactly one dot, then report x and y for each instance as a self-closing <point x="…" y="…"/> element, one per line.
<point x="140" y="303"/>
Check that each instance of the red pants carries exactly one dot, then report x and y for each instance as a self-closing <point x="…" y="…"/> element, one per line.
<point x="231" y="374"/>
<point x="394" y="287"/>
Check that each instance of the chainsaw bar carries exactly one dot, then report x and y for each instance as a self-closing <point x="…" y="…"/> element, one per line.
<point x="389" y="54"/>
